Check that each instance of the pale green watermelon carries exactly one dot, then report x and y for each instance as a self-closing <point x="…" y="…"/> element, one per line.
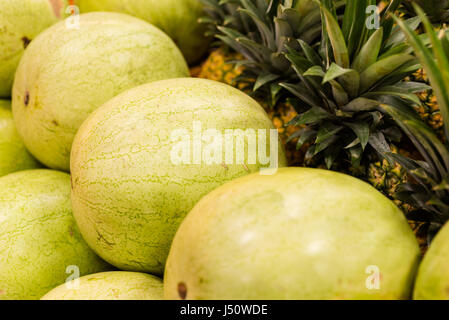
<point x="432" y="282"/>
<point x="128" y="195"/>
<point x="299" y="234"/>
<point x="113" y="285"/>
<point x="177" y="18"/>
<point x="20" y="22"/>
<point x="13" y="154"/>
<point x="66" y="73"/>
<point x="40" y="244"/>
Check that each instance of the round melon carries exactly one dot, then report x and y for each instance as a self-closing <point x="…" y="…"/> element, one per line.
<point x="177" y="18"/>
<point x="299" y="234"/>
<point x="40" y="244"/>
<point x="130" y="192"/>
<point x="13" y="154"/>
<point x="432" y="282"/>
<point x="20" y="22"/>
<point x="66" y="73"/>
<point x="113" y="285"/>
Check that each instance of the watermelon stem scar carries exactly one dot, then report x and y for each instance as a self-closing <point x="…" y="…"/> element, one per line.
<point x="26" y="41"/>
<point x="182" y="290"/>
<point x="26" y="99"/>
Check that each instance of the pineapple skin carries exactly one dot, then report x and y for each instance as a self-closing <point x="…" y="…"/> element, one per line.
<point x="217" y="67"/>
<point x="387" y="178"/>
<point x="429" y="111"/>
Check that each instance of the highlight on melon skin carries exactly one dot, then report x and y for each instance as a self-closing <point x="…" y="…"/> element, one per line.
<point x="300" y="234"/>
<point x="68" y="72"/>
<point x="21" y="21"/>
<point x="113" y="285"/>
<point x="39" y="239"/>
<point x="128" y="195"/>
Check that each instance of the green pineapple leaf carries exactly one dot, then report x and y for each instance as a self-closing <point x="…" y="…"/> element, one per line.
<point x="337" y="39"/>
<point x="428" y="192"/>
<point x="369" y="53"/>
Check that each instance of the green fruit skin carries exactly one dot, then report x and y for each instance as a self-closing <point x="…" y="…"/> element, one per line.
<point x="22" y="21"/>
<point x="113" y="285"/>
<point x="13" y="154"/>
<point x="67" y="73"/>
<point x="128" y="197"/>
<point x="177" y="18"/>
<point x="432" y="282"/>
<point x="39" y="238"/>
<point x="299" y="234"/>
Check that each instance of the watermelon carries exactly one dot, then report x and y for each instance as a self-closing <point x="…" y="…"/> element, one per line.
<point x="40" y="244"/>
<point x="113" y="285"/>
<point x="432" y="282"/>
<point x="177" y="18"/>
<point x="298" y="234"/>
<point x="13" y="154"/>
<point x="130" y="192"/>
<point x="20" y="22"/>
<point x="66" y="73"/>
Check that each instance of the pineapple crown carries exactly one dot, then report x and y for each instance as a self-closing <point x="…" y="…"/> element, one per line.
<point x="261" y="30"/>
<point x="429" y="190"/>
<point x="342" y="86"/>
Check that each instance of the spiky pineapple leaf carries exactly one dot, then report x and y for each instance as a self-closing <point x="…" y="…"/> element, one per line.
<point x="362" y="131"/>
<point x="263" y="79"/>
<point x="433" y="66"/>
<point x="444" y="185"/>
<point x="302" y="92"/>
<point x="327" y="131"/>
<point x="361" y="104"/>
<point x="315" y="71"/>
<point x="305" y="136"/>
<point x="395" y="90"/>
<point x="369" y="53"/>
<point x="380" y="69"/>
<point x="314" y="115"/>
<point x="337" y="39"/>
<point x="348" y="78"/>
<point x="309" y="53"/>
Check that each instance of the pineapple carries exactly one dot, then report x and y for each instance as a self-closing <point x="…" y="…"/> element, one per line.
<point x="428" y="191"/>
<point x="342" y="86"/>
<point x="274" y="79"/>
<point x="281" y="116"/>
<point x="429" y="110"/>
<point x="344" y="90"/>
<point x="387" y="178"/>
<point x="261" y="32"/>
<point x="438" y="13"/>
<point x="219" y="67"/>
<point x="335" y="112"/>
<point x="254" y="61"/>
